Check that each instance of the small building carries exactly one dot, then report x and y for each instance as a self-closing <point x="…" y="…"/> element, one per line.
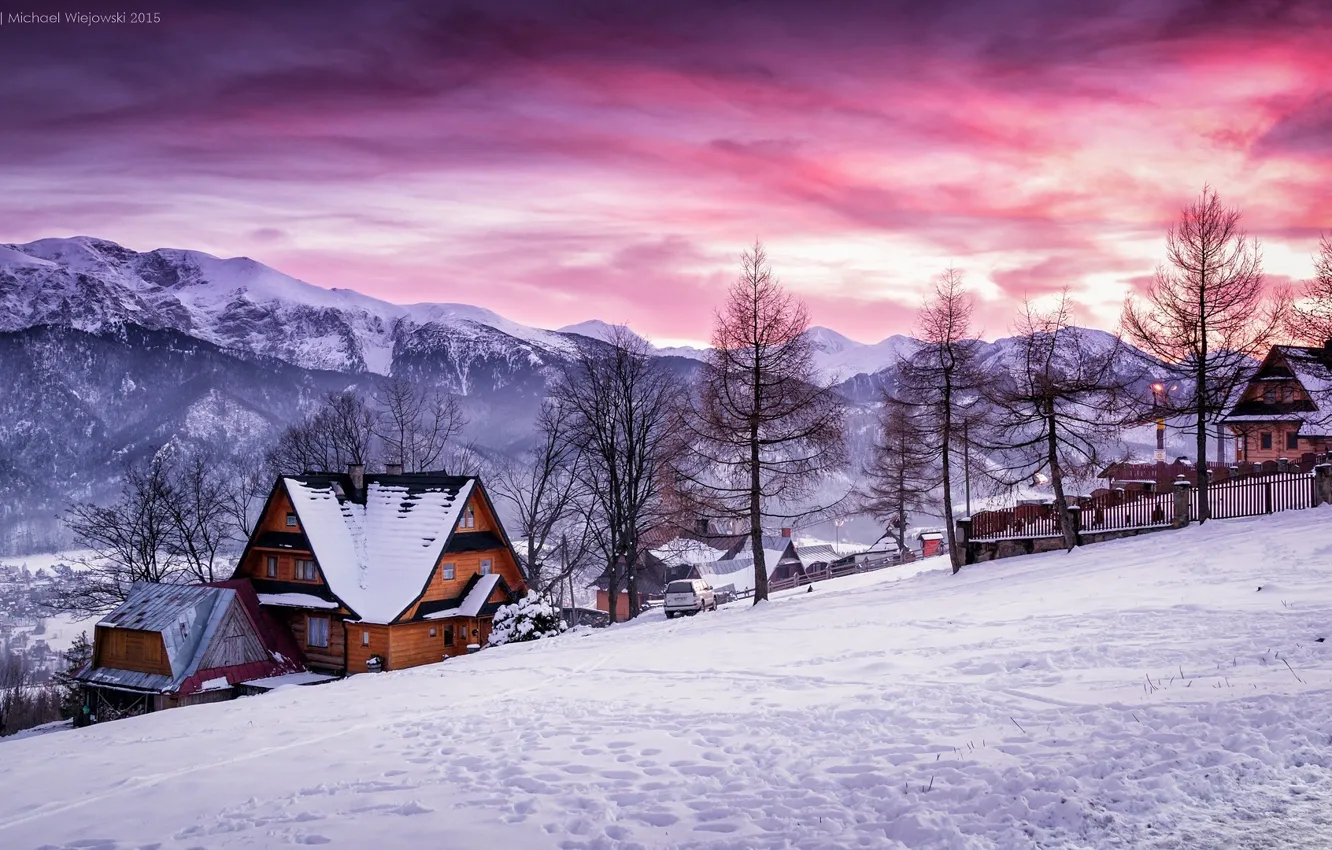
<point x="1285" y="408"/>
<point x="381" y="572"/>
<point x="169" y="645"/>
<point x="931" y="543"/>
<point x="669" y="554"/>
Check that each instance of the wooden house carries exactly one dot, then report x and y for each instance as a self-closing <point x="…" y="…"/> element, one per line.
<point x="1284" y="410"/>
<point x="376" y="572"/>
<point x="669" y="554"/>
<point x="169" y="645"/>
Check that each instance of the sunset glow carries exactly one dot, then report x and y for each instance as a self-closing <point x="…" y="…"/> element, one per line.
<point x="557" y="162"/>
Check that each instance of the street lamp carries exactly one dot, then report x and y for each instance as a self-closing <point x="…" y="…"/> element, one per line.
<point x="1158" y="390"/>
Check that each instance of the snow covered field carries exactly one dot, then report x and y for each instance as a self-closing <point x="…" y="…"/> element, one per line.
<point x="1137" y="694"/>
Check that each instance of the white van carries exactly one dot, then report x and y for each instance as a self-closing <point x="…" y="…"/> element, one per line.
<point x="689" y="596"/>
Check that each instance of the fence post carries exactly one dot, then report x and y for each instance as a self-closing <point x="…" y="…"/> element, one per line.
<point x="1283" y="465"/>
<point x="1322" y="484"/>
<point x="1075" y="517"/>
<point x="1267" y="497"/>
<point x="964" y="540"/>
<point x="1182" y="488"/>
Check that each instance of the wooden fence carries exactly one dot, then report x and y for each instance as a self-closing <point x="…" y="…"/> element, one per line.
<point x="1257" y="496"/>
<point x="1131" y="510"/>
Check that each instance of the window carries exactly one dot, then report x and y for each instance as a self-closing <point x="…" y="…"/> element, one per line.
<point x="365" y="638"/>
<point x="1269" y="395"/>
<point x="272" y="566"/>
<point x="291" y="520"/>
<point x="305" y="570"/>
<point x="1265" y="437"/>
<point x="1292" y="439"/>
<point x="468" y="519"/>
<point x="447" y="571"/>
<point x="432" y="631"/>
<point x="184" y="630"/>
<point x="448" y="635"/>
<point x="316" y="631"/>
<point x="485" y="567"/>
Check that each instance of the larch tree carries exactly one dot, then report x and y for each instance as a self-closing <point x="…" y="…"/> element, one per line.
<point x="901" y="472"/>
<point x="1311" y="315"/>
<point x="765" y="430"/>
<point x="1060" y="404"/>
<point x="939" y="379"/>
<point x="623" y="407"/>
<point x="1208" y="315"/>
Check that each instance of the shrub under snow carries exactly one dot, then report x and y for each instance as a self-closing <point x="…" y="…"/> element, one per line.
<point x="530" y="618"/>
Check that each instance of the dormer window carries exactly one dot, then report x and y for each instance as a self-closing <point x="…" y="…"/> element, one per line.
<point x="468" y="519"/>
<point x="291" y="520"/>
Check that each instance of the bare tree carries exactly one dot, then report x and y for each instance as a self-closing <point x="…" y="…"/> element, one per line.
<point x="1311" y="315"/>
<point x="1059" y="405"/>
<point x="623" y="407"/>
<point x="340" y="432"/>
<point x="417" y="424"/>
<point x="939" y="378"/>
<point x="202" y="523"/>
<point x="902" y="471"/>
<point x="130" y="540"/>
<point x="765" y="431"/>
<point x="542" y="486"/>
<point x="247" y="484"/>
<point x="1207" y="313"/>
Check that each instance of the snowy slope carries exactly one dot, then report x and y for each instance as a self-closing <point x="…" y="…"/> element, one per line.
<point x="1134" y="694"/>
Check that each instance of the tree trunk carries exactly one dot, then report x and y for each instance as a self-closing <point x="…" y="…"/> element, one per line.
<point x="631" y="582"/>
<point x="1200" y="463"/>
<point x="1057" y="480"/>
<point x="614" y="593"/>
<point x="756" y="521"/>
<point x="949" y="532"/>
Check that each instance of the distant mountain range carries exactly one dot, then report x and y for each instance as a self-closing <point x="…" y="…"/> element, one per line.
<point x="109" y="353"/>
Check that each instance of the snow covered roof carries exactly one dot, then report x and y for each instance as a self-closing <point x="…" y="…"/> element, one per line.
<point x="377" y="556"/>
<point x="474" y="600"/>
<point x="296" y="600"/>
<point x="1311" y="368"/>
<point x="684" y="550"/>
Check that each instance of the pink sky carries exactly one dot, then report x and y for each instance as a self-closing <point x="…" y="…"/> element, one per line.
<point x="558" y="162"/>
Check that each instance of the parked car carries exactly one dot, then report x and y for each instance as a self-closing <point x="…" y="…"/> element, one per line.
<point x="689" y="596"/>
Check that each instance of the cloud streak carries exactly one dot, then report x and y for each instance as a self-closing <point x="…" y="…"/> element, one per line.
<point x="560" y="161"/>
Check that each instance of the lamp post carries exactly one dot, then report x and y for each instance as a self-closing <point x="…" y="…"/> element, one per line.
<point x="1157" y="391"/>
<point x="837" y="538"/>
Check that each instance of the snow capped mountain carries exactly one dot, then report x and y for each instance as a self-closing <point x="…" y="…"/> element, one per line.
<point x="840" y="358"/>
<point x="92" y="285"/>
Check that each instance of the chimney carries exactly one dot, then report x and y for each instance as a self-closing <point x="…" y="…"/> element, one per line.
<point x="393" y="468"/>
<point x="357" y="473"/>
<point x="786" y="531"/>
<point x="701" y="526"/>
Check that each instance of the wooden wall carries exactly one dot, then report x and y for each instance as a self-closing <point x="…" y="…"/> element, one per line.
<point x="357" y="653"/>
<point x="330" y="657"/>
<point x="130" y="649"/>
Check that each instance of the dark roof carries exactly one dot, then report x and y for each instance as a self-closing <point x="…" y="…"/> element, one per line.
<point x="652" y="574"/>
<point x="282" y="540"/>
<point x="418" y="482"/>
<point x="474" y="541"/>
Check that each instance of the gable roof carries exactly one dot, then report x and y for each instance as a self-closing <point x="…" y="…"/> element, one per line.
<point x="471" y="601"/>
<point x="1311" y="367"/>
<point x="193" y="622"/>
<point x="378" y="554"/>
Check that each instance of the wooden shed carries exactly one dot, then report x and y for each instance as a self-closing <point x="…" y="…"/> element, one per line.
<point x="169" y="645"/>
